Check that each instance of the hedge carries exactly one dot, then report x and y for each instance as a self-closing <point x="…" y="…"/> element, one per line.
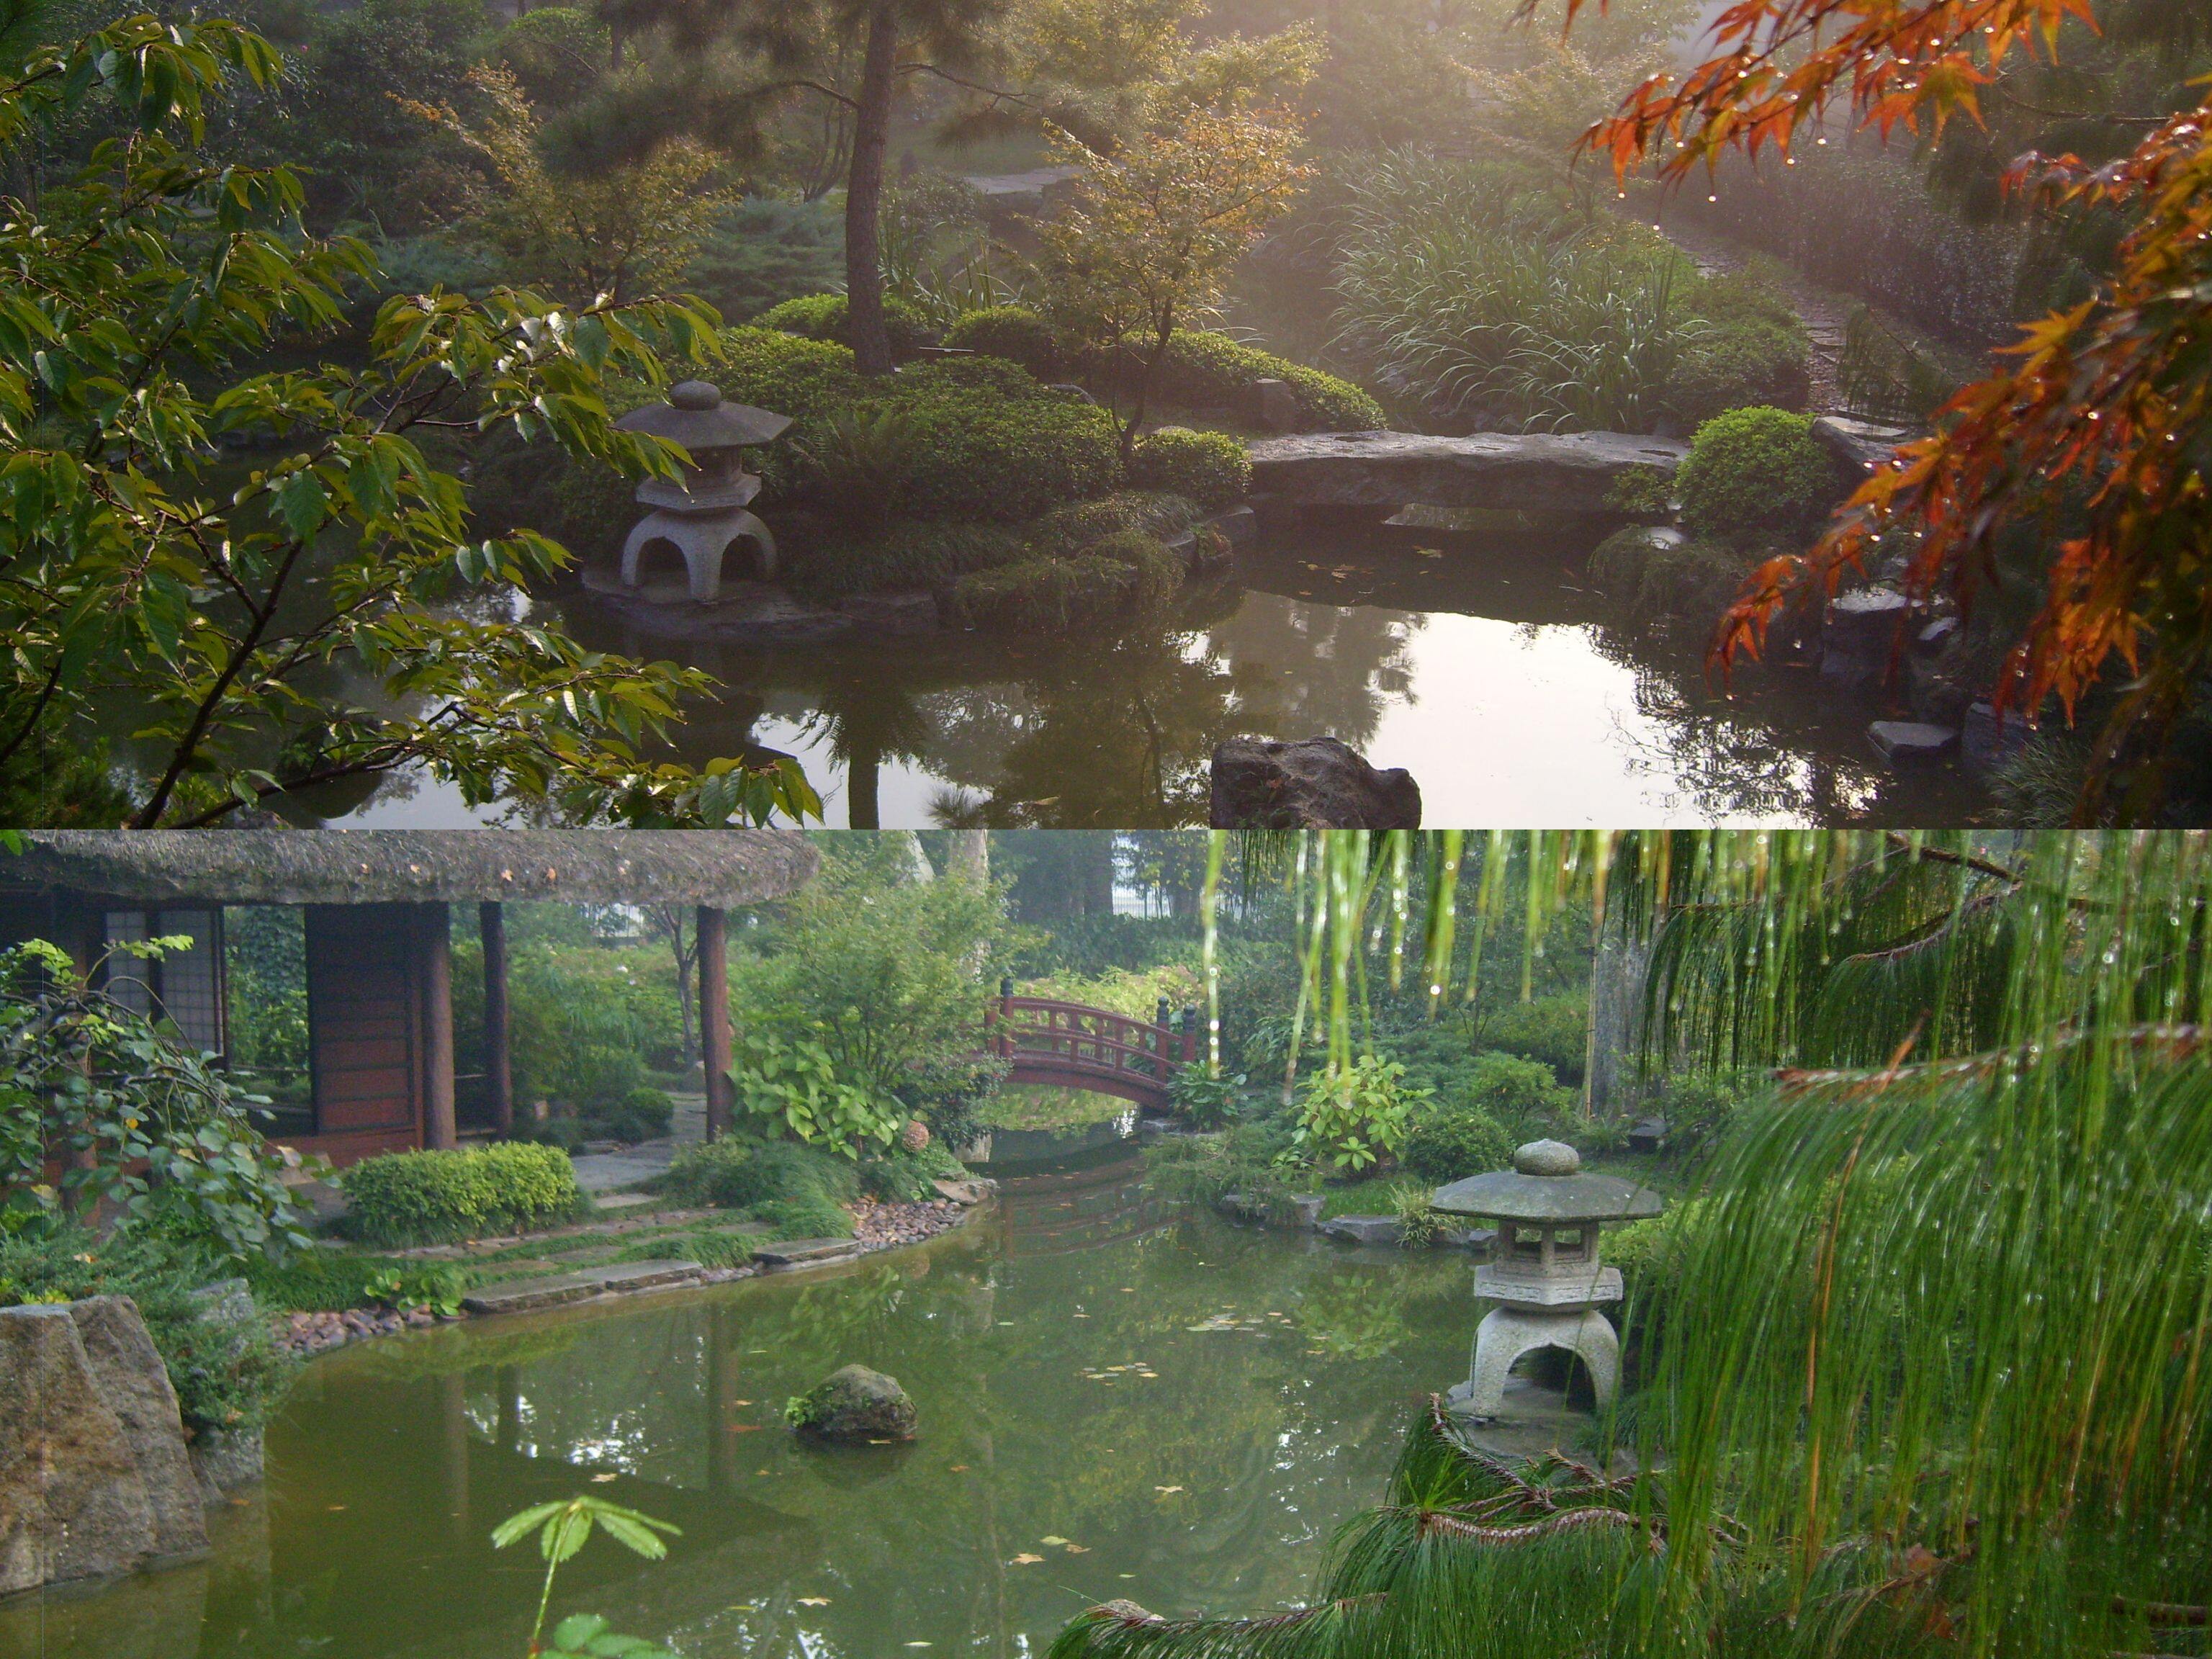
<point x="436" y="1197"/>
<point x="1756" y="478"/>
<point x="1014" y="333"/>
<point x="1207" y="370"/>
<point x="821" y="317"/>
<point x="1210" y="468"/>
<point x="1126" y="574"/>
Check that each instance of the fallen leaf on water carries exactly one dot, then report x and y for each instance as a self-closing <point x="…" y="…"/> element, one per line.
<point x="741" y="1402"/>
<point x="1163" y="1491"/>
<point x="1053" y="1539"/>
<point x="1025" y="1559"/>
<point x="813" y="1600"/>
<point x="606" y="1477"/>
<point x="879" y="1442"/>
<point x="337" y="1506"/>
<point x="1079" y="1549"/>
<point x="760" y="1471"/>
<point x="958" y="1467"/>
<point x="744" y="1428"/>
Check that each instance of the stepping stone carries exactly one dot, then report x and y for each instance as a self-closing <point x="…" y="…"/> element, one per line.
<point x="1908" y="743"/>
<point x="521" y="1294"/>
<point x="798" y="1252"/>
<point x="1364" y="1228"/>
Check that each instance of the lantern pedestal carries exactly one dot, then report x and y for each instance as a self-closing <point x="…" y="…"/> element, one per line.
<point x="1507" y="1333"/>
<point x="703" y="516"/>
<point x="704" y="539"/>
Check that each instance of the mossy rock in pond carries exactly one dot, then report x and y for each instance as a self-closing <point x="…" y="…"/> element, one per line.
<point x="854" y="1404"/>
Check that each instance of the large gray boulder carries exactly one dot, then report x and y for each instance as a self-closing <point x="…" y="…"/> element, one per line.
<point x="855" y="1404"/>
<point x="1317" y="783"/>
<point x="94" y="1479"/>
<point x="1523" y="472"/>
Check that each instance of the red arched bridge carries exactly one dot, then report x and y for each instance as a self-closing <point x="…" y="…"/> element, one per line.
<point x="1066" y="1045"/>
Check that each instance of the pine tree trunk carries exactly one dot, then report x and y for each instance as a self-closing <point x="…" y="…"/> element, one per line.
<point x="864" y="191"/>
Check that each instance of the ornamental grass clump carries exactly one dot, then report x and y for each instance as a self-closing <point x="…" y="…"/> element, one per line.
<point x="402" y="1199"/>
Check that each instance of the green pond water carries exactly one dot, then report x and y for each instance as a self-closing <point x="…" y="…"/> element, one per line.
<point x="1283" y="1369"/>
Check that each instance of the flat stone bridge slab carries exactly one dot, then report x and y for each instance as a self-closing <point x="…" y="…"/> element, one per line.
<point x="1521" y="473"/>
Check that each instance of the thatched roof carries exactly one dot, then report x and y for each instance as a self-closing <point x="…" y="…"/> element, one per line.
<point x="723" y="868"/>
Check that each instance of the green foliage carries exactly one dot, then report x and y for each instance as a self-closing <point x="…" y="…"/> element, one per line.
<point x="402" y="1198"/>
<point x="888" y="974"/>
<point x="1014" y="333"/>
<point x="1884" y="378"/>
<point x="1126" y="574"/>
<point x="1756" y="478"/>
<point x="708" y="1248"/>
<point x="903" y="554"/>
<point x="1553" y="1029"/>
<point x="1210" y="468"/>
<point x="227" y="1375"/>
<point x="1642" y="492"/>
<point x="563" y="1528"/>
<point x="332" y="1281"/>
<point x="1354" y="1116"/>
<point x="1738" y="364"/>
<point x="766" y="250"/>
<point x="1449" y="1142"/>
<point x="778" y="1182"/>
<point x="905" y="1177"/>
<point x="219" y="604"/>
<point x="791" y="1086"/>
<point x="1205" y="370"/>
<point x="554" y="54"/>
<point x="138" y="1121"/>
<point x="1203" y="1100"/>
<point x="864" y="459"/>
<point x="996" y="445"/>
<point x="821" y="317"/>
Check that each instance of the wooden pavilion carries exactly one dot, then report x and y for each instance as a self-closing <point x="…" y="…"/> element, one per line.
<point x="377" y="922"/>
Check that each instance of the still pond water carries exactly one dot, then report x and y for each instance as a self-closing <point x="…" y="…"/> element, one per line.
<point x="1483" y="664"/>
<point x="1045" y="1480"/>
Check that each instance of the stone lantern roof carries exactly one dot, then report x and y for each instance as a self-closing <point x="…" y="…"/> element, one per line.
<point x="696" y="417"/>
<point x="1545" y="1187"/>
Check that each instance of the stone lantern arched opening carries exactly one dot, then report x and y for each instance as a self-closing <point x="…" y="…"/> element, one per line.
<point x="705" y="515"/>
<point x="1544" y="1274"/>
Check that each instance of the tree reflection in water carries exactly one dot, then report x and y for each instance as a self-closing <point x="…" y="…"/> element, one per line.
<point x="1476" y="663"/>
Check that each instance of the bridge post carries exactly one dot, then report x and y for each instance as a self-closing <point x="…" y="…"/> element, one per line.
<point x="715" y="1044"/>
<point x="1189" y="1033"/>
<point x="1006" y="1022"/>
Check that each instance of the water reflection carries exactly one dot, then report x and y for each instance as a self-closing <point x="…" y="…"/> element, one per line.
<point x="1052" y="1471"/>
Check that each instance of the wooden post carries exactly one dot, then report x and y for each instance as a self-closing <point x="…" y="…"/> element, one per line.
<point x="436" y="959"/>
<point x="715" y="1052"/>
<point x="1006" y="1016"/>
<point x="499" y="1068"/>
<point x="1189" y="1033"/>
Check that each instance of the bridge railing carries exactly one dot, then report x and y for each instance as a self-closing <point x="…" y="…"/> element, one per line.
<point x="1090" y="1039"/>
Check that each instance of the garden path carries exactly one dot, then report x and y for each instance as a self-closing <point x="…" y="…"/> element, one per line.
<point x="614" y="1172"/>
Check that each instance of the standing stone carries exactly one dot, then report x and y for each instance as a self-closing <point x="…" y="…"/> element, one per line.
<point x="72" y="1502"/>
<point x="856" y="1404"/>
<point x="136" y="1386"/>
<point x="1319" y="783"/>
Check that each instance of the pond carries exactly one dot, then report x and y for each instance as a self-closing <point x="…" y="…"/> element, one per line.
<point x="1052" y="1473"/>
<point x="1482" y="662"/>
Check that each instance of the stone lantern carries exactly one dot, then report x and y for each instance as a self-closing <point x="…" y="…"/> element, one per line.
<point x="704" y="515"/>
<point x="1544" y="1272"/>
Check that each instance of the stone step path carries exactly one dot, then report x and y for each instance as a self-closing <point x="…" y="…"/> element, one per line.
<point x="518" y="1296"/>
<point x="805" y="1252"/>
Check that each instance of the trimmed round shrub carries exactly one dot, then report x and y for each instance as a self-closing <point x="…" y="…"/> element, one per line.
<point x="990" y="443"/>
<point x="1207" y="370"/>
<point x="1740" y="363"/>
<point x="787" y="373"/>
<point x="1554" y="1029"/>
<point x="1014" y="333"/>
<point x="644" y="1114"/>
<point x="1756" y="477"/>
<point x="821" y="317"/>
<point x="1124" y="572"/>
<point x="402" y="1198"/>
<point x="1210" y="468"/>
<point x="1454" y="1141"/>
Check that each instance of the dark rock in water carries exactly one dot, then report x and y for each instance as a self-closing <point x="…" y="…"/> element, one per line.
<point x="1989" y="741"/>
<point x="856" y="1404"/>
<point x="1318" y="783"/>
<point x="1860" y="639"/>
<point x="1908" y="743"/>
